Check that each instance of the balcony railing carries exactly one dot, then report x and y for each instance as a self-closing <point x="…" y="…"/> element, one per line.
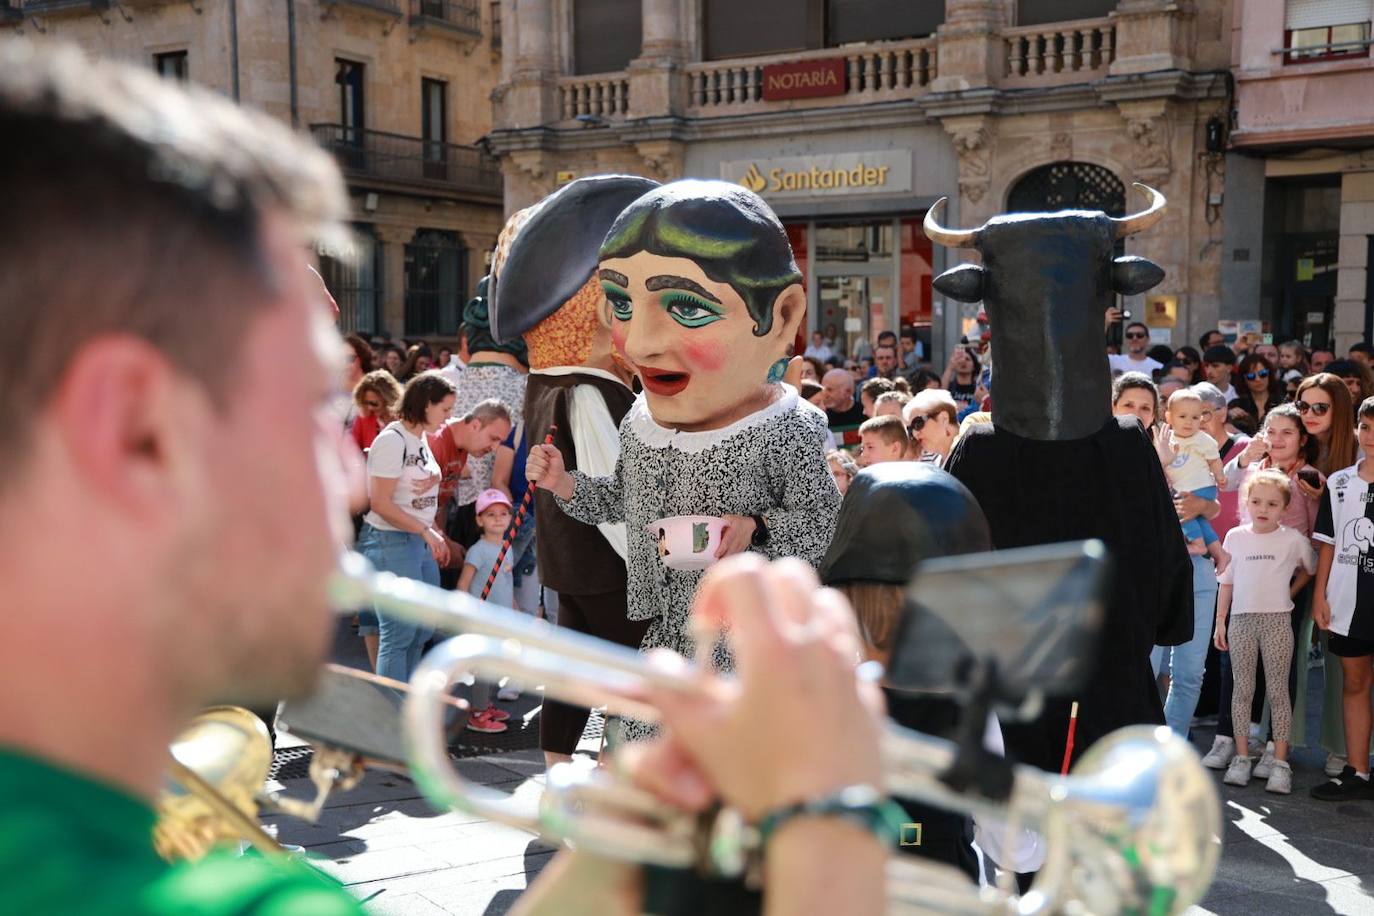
<point x="876" y="73"/>
<point x="1065" y="52"/>
<point x="603" y="95"/>
<point x="411" y="160"/>
<point x="460" y="15"/>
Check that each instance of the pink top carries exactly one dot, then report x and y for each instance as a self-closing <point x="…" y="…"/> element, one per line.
<point x="1301" y="514"/>
<point x="1228" y="498"/>
<point x="1262" y="567"/>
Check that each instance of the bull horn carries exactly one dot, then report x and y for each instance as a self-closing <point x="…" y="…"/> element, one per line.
<point x="1137" y="222"/>
<point x="950" y="238"/>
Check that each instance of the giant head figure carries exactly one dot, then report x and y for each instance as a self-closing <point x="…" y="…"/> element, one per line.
<point x="545" y="285"/>
<point x="1046" y="280"/>
<point x="704" y="297"/>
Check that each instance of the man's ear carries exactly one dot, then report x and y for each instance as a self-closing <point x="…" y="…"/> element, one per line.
<point x="119" y="411"/>
<point x="789" y="311"/>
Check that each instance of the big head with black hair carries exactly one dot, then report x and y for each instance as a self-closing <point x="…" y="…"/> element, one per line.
<point x="704" y="296"/>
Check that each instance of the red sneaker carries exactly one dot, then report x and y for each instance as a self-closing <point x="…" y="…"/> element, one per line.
<point x="495" y="712"/>
<point x="482" y="722"/>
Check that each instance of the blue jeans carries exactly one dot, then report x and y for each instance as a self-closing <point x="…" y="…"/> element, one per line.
<point x="1199" y="527"/>
<point x="1187" y="661"/>
<point x="407" y="555"/>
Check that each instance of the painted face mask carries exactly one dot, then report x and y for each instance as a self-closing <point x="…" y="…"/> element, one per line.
<point x="703" y="296"/>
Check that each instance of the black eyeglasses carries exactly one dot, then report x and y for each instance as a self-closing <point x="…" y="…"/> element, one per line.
<point x="1263" y="373"/>
<point x="1320" y="410"/>
<point x="1135" y="335"/>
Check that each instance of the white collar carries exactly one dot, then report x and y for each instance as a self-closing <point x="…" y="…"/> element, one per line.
<point x="641" y="423"/>
<point x="579" y="370"/>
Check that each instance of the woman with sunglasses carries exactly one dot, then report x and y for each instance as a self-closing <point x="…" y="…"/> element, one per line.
<point x="1261" y="387"/>
<point x="1190" y="357"/>
<point x="376" y="396"/>
<point x="1328" y="415"/>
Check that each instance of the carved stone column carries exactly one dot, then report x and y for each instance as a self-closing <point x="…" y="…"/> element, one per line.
<point x="1153" y="35"/>
<point x="970" y="46"/>
<point x="530" y="98"/>
<point x="658" y="86"/>
<point x="973" y="138"/>
<point x="393" y="240"/>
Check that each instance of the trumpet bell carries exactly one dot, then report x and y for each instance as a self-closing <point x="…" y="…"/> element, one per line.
<point x="218" y="768"/>
<point x="1155" y="819"/>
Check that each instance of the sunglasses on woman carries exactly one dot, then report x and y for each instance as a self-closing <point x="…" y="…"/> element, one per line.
<point x="1320" y="410"/>
<point x="1187" y="361"/>
<point x="918" y="423"/>
<point x="1263" y="373"/>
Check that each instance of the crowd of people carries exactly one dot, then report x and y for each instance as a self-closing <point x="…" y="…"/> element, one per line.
<point x="1271" y="453"/>
<point x="151" y="423"/>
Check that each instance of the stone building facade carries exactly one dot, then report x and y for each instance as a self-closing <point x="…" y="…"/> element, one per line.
<point x="399" y="90"/>
<point x="995" y="104"/>
<point x="1300" y="172"/>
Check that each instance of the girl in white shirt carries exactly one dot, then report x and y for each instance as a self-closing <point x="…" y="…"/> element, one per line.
<point x="1257" y="587"/>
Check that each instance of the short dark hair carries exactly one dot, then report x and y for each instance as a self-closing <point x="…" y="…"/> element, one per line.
<point x="1219" y="354"/>
<point x="1138" y="324"/>
<point x="885" y="334"/>
<point x="729" y="231"/>
<point x="135" y="205"/>
<point x="909" y="333"/>
<point x="1206" y="336"/>
<point x="423" y="390"/>
<point x="876" y="386"/>
<point x="1362" y="347"/>
<point x="1366" y="411"/>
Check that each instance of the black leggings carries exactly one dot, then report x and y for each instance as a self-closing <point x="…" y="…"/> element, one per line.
<point x="603" y="616"/>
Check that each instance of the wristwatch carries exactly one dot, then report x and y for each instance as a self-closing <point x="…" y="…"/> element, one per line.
<point x="761" y="534"/>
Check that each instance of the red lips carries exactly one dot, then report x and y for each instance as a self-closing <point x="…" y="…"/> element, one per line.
<point x="662" y="382"/>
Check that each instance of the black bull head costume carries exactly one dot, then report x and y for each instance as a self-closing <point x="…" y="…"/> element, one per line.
<point x="1047" y="279"/>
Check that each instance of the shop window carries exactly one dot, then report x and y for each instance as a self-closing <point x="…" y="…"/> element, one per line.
<point x="351" y="275"/>
<point x="436" y="283"/>
<point x="1036" y="12"/>
<point x="606" y="35"/>
<point x="876" y="20"/>
<point x="1325" y="29"/>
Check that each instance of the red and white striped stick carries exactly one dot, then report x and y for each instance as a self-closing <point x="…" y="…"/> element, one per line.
<point x="514" y="528"/>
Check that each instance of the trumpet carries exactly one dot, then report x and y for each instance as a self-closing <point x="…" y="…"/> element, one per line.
<point x="1134" y="826"/>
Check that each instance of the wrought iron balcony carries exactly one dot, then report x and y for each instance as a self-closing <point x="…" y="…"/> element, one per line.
<point x="458" y="15"/>
<point x="397" y="158"/>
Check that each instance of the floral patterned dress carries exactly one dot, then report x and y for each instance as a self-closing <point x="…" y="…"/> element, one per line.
<point x="771" y="463"/>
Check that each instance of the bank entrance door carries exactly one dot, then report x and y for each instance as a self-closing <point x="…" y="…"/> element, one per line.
<point x="856" y="305"/>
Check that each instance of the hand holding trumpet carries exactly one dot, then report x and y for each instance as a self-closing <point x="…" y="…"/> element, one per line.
<point x="750" y="743"/>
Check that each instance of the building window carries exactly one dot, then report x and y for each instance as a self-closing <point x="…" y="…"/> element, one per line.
<point x="1325" y="29"/>
<point x="352" y="276"/>
<point x="736" y="29"/>
<point x="878" y="20"/>
<point x="173" y="64"/>
<point x="352" y="113"/>
<point x="496" y="25"/>
<point x="1068" y="186"/>
<point x="434" y="127"/>
<point x="1037" y="12"/>
<point x="607" y="35"/>
<point x="436" y="283"/>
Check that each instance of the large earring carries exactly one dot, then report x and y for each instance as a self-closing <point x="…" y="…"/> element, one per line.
<point x="777" y="371"/>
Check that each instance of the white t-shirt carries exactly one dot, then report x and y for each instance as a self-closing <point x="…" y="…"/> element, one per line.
<point x="1121" y="362"/>
<point x="1262" y="566"/>
<point x="1189" y="470"/>
<point x="1345" y="520"/>
<point x="398" y="455"/>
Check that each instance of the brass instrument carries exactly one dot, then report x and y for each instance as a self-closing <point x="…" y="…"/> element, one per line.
<point x="1133" y="827"/>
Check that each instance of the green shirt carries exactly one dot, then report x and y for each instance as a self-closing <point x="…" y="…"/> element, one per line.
<point x="71" y="845"/>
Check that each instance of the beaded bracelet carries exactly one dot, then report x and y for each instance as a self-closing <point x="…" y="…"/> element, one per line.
<point x="861" y="805"/>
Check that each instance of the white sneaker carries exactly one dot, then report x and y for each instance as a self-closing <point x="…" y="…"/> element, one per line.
<point x="1280" y="778"/>
<point x="1223" y="749"/>
<point x="507" y="694"/>
<point x="1335" y="765"/>
<point x="1266" y="763"/>
<point x="1238" y="773"/>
